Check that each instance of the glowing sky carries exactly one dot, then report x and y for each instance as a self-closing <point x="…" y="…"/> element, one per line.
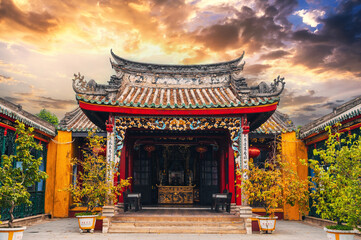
<point x="314" y="44"/>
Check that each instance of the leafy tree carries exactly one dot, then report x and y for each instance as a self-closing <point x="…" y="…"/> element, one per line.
<point x="92" y="187"/>
<point x="337" y="180"/>
<point x="15" y="181"/>
<point x="48" y="116"/>
<point x="276" y="184"/>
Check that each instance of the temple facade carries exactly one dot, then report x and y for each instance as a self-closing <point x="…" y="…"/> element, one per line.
<point x="179" y="131"/>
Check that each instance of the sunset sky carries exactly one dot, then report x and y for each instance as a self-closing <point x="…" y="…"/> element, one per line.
<point x="314" y="44"/>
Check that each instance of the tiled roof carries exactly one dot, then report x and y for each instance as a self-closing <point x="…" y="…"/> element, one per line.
<point x="16" y="112"/>
<point x="218" y="85"/>
<point x="276" y="124"/>
<point x="344" y="112"/>
<point x="77" y="121"/>
<point x="160" y="97"/>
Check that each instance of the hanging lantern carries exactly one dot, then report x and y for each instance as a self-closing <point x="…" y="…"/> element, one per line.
<point x="99" y="150"/>
<point x="201" y="149"/>
<point x="149" y="149"/>
<point x="253" y="152"/>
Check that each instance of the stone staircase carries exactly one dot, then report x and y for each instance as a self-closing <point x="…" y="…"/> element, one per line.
<point x="208" y="224"/>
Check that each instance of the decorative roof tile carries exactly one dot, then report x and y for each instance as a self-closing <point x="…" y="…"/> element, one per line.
<point x="135" y="96"/>
<point x="16" y="112"/>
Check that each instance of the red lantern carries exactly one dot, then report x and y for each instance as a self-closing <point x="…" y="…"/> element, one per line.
<point x="149" y="149"/>
<point x="100" y="151"/>
<point x="253" y="152"/>
<point x="201" y="149"/>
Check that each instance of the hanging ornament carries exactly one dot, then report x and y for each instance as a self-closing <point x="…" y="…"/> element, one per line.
<point x="149" y="149"/>
<point x="99" y="150"/>
<point x="253" y="152"/>
<point x="201" y="150"/>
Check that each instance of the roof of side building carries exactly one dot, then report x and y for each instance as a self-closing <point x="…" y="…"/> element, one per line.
<point x="16" y="112"/>
<point x="346" y="111"/>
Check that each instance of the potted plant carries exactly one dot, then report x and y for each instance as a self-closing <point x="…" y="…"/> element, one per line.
<point x="91" y="188"/>
<point x="15" y="181"/>
<point x="274" y="185"/>
<point x="336" y="182"/>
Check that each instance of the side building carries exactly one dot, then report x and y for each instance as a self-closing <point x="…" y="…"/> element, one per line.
<point x="43" y="134"/>
<point x="314" y="134"/>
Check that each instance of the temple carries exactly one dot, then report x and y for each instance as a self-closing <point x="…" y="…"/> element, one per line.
<point x="184" y="126"/>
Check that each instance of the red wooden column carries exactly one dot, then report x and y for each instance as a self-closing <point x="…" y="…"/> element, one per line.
<point x="231" y="174"/>
<point x="130" y="158"/>
<point x="222" y="169"/>
<point x="122" y="167"/>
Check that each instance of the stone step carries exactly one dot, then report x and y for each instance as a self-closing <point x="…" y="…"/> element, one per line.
<point x="183" y="230"/>
<point x="178" y="218"/>
<point x="208" y="224"/>
<point x="177" y="224"/>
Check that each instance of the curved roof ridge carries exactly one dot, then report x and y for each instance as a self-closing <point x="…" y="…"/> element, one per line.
<point x="120" y="59"/>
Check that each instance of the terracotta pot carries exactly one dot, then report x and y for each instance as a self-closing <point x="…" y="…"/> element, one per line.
<point x="87" y="223"/>
<point x="333" y="234"/>
<point x="15" y="233"/>
<point x="266" y="224"/>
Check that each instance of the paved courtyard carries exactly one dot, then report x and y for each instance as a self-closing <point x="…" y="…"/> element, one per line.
<point x="67" y="229"/>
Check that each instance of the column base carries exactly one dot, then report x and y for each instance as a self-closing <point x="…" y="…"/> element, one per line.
<point x="246" y="213"/>
<point x="108" y="212"/>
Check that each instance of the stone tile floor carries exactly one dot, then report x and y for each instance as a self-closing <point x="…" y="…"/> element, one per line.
<point x="66" y="228"/>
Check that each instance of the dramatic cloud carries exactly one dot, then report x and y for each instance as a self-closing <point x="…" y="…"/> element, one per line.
<point x="337" y="45"/>
<point x="256" y="69"/>
<point x="310" y="17"/>
<point x="313" y="44"/>
<point x="274" y="55"/>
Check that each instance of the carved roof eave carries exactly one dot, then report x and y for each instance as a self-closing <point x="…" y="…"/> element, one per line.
<point x="122" y="64"/>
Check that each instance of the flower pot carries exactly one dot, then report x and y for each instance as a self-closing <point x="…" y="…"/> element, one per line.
<point x="333" y="234"/>
<point x="86" y="223"/>
<point x="15" y="233"/>
<point x="266" y="224"/>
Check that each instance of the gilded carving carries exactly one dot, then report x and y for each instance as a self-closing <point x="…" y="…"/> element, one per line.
<point x="175" y="194"/>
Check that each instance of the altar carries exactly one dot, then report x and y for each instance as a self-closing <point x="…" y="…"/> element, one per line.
<point x="175" y="194"/>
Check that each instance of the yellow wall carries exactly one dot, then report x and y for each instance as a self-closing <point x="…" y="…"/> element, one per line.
<point x="59" y="171"/>
<point x="50" y="181"/>
<point x="294" y="149"/>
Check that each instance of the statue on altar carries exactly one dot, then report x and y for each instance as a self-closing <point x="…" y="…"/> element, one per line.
<point x="162" y="177"/>
<point x="189" y="177"/>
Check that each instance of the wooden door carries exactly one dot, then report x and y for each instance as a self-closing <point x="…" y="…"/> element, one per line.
<point x="209" y="180"/>
<point x="143" y="176"/>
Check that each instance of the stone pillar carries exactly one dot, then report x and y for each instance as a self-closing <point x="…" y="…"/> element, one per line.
<point x="244" y="154"/>
<point x="108" y="210"/>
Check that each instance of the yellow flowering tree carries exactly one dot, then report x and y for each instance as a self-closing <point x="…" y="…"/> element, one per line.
<point x="15" y="181"/>
<point x="91" y="188"/>
<point x="276" y="184"/>
<point x="337" y="179"/>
